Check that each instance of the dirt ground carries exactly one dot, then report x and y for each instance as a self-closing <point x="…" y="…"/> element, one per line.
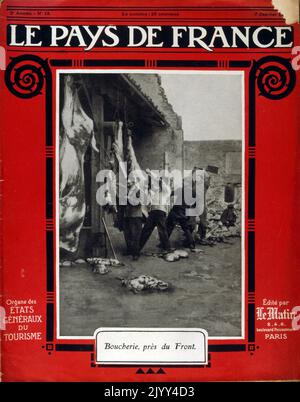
<point x="205" y="292"/>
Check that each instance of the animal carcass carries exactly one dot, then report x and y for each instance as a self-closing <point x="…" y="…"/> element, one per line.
<point x="75" y="136"/>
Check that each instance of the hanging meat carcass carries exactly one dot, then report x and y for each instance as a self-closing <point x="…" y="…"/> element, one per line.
<point x="124" y="163"/>
<point x="133" y="166"/>
<point x="129" y="157"/>
<point x="118" y="141"/>
<point x="75" y="136"/>
<point x="125" y="167"/>
<point x="136" y="174"/>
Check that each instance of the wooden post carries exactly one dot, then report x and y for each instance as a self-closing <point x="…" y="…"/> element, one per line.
<point x="166" y="161"/>
<point x="98" y="231"/>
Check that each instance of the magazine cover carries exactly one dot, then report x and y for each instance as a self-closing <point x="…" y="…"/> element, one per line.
<point x="150" y="192"/>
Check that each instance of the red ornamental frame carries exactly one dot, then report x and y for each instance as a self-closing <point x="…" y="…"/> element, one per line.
<point x="272" y="77"/>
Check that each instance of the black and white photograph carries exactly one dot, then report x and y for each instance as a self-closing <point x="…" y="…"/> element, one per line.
<point x="150" y="201"/>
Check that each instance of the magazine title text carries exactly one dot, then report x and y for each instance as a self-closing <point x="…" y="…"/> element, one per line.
<point x="134" y="36"/>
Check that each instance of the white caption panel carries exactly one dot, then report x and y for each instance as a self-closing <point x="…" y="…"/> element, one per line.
<point x="151" y="345"/>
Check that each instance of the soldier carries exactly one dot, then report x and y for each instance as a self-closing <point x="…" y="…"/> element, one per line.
<point x="178" y="216"/>
<point x="228" y="217"/>
<point x="160" y="202"/>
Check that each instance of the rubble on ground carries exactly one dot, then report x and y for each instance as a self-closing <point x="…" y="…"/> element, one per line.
<point x="171" y="257"/>
<point x="196" y="250"/>
<point x="168" y="256"/>
<point x="67" y="263"/>
<point x="181" y="253"/>
<point x="176" y="255"/>
<point x="80" y="261"/>
<point x="216" y="231"/>
<point x="144" y="282"/>
<point x="104" y="261"/>
<point x="100" y="269"/>
<point x="93" y="261"/>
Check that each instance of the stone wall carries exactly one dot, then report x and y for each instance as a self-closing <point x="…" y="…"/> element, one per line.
<point x="153" y="141"/>
<point x="227" y="157"/>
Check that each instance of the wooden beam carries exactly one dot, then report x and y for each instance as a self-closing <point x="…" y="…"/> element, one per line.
<point x="97" y="158"/>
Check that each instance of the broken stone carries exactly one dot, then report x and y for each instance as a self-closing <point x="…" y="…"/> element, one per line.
<point x="152" y="254"/>
<point x="80" y="261"/>
<point x="181" y="253"/>
<point x="171" y="257"/>
<point x="144" y="282"/>
<point x="104" y="261"/>
<point x="196" y="250"/>
<point x="67" y="263"/>
<point x="100" y="269"/>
